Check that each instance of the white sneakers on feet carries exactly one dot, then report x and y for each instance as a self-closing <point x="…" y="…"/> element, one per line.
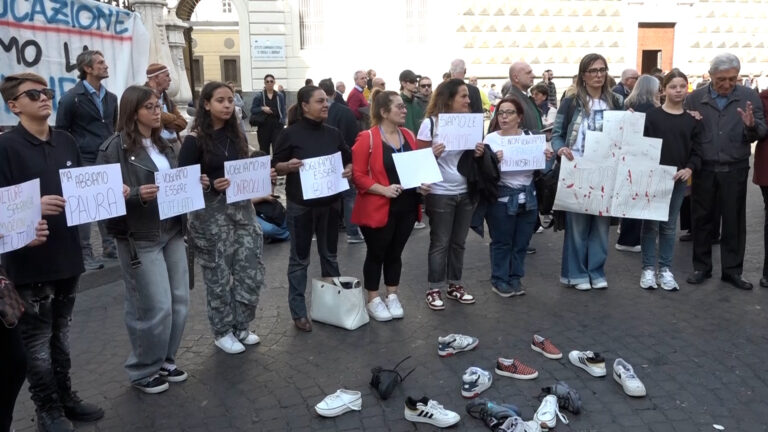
<point x="585" y="286"/>
<point x="425" y="410"/>
<point x="394" y="306"/>
<point x="229" y="344"/>
<point x="625" y="376"/>
<point x="339" y="403"/>
<point x="247" y="337"/>
<point x="378" y="310"/>
<point x="549" y="412"/>
<point x="667" y="280"/>
<point x="591" y="362"/>
<point x="648" y="279"/>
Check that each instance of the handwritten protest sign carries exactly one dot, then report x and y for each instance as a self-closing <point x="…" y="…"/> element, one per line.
<point x="460" y="131"/>
<point x="47" y="35"/>
<point x="321" y="176"/>
<point x="248" y="178"/>
<point x="416" y="167"/>
<point x="19" y="213"/>
<point x="93" y="193"/>
<point x="522" y="152"/>
<point x="180" y="191"/>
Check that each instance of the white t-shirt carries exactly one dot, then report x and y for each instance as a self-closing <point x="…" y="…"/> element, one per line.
<point x="593" y="122"/>
<point x="161" y="162"/>
<point x="453" y="183"/>
<point x="513" y="179"/>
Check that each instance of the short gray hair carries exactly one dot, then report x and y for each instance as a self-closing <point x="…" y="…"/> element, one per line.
<point x="84" y="59"/>
<point x="357" y="74"/>
<point x="723" y="62"/>
<point x="458" y="66"/>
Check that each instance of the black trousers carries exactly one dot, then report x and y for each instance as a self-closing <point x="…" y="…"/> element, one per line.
<point x="764" y="190"/>
<point x="385" y="249"/>
<point x="724" y="192"/>
<point x="630" y="232"/>
<point x="13" y="366"/>
<point x="268" y="133"/>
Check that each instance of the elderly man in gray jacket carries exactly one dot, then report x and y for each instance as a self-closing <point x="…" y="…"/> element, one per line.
<point x="732" y="117"/>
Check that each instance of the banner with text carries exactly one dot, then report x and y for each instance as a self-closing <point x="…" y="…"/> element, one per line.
<point x="180" y="191"/>
<point x="46" y="36"/>
<point x="20" y="211"/>
<point x="460" y="131"/>
<point x="93" y="193"/>
<point x="248" y="178"/>
<point x="321" y="176"/>
<point x="522" y="152"/>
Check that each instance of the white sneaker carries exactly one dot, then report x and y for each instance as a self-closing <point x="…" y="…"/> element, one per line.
<point x="516" y="424"/>
<point x="339" y="403"/>
<point x="667" y="280"/>
<point x="548" y="412"/>
<point x="229" y="344"/>
<point x="475" y="381"/>
<point x="419" y="225"/>
<point x="378" y="310"/>
<point x="586" y="286"/>
<point x="425" y="410"/>
<point x="648" y="279"/>
<point x="625" y="375"/>
<point x="540" y="230"/>
<point x="591" y="362"/>
<point x="628" y="248"/>
<point x="247" y="337"/>
<point x="394" y="306"/>
<point x="600" y="285"/>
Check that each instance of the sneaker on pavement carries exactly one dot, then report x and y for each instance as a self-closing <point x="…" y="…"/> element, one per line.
<point x="171" y="373"/>
<point x="419" y="225"/>
<point x="667" y="280"/>
<point x="567" y="398"/>
<point x="354" y="239"/>
<point x="591" y="362"/>
<point x="545" y="347"/>
<point x="603" y="284"/>
<point x="455" y="343"/>
<point x="516" y="424"/>
<point x="76" y="409"/>
<point x="503" y="289"/>
<point x="92" y="263"/>
<point x="491" y="413"/>
<point x="425" y="410"/>
<point x="247" y="337"/>
<point x="549" y="412"/>
<point x="53" y="420"/>
<point x="475" y="381"/>
<point x="340" y="402"/>
<point x="378" y="310"/>
<point x="515" y="369"/>
<point x="628" y="248"/>
<point x="457" y="292"/>
<point x="648" y="279"/>
<point x="540" y="230"/>
<point x="153" y="386"/>
<point x="530" y="250"/>
<point x="394" y="306"/>
<point x="435" y="300"/>
<point x="584" y="286"/>
<point x="625" y="376"/>
<point x="229" y="344"/>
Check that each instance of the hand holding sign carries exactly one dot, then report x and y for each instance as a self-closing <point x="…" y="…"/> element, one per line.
<point x="521" y="152"/>
<point x="20" y="212"/>
<point x="92" y="193"/>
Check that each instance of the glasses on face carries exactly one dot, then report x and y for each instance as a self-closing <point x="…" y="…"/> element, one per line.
<point x="401" y="107"/>
<point x="425" y="86"/>
<point x="507" y="113"/>
<point x="34" y="94"/>
<point x="596" y="71"/>
<point x="153" y="107"/>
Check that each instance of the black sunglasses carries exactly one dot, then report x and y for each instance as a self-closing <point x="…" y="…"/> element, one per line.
<point x="34" y="94"/>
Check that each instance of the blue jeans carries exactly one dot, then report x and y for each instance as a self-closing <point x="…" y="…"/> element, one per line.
<point x="510" y="235"/>
<point x="585" y="248"/>
<point x="665" y="231"/>
<point x="272" y="231"/>
<point x="348" y="198"/>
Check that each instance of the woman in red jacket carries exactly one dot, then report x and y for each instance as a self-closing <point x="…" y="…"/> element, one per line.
<point x="384" y="211"/>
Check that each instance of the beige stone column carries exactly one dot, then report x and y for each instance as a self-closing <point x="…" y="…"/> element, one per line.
<point x="152" y="15"/>
<point x="183" y="91"/>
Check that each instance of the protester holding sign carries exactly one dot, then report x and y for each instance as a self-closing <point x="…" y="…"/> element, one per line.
<point x="585" y="247"/>
<point x="307" y="137"/>
<point x="226" y="238"/>
<point x="151" y="251"/>
<point x="384" y="210"/>
<point x="45" y="276"/>
<point x="448" y="205"/>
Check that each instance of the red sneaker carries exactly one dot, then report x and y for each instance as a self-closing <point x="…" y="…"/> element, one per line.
<point x="545" y="347"/>
<point x="435" y="300"/>
<point x="457" y="293"/>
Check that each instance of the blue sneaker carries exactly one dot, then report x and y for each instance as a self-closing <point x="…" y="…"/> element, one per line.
<point x="491" y="413"/>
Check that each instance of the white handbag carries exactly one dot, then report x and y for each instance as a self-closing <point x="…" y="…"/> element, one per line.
<point x="339" y="303"/>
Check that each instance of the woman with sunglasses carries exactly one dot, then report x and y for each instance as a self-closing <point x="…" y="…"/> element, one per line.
<point x="226" y="238"/>
<point x="585" y="246"/>
<point x="152" y="253"/>
<point x="271" y="102"/>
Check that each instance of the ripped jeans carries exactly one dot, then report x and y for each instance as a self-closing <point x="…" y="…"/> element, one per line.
<point x="44" y="331"/>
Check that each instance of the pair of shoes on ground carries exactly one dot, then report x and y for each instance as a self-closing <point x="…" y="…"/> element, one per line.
<point x="623" y="372"/>
<point x="506" y="290"/>
<point x="426" y="410"/>
<point x="159" y="383"/>
<point x="72" y="408"/>
<point x="340" y="402"/>
<point x="232" y="344"/>
<point x="514" y="368"/>
<point x="455" y="292"/>
<point x="736" y="280"/>
<point x="385" y="310"/>
<point x="650" y="280"/>
<point x="586" y="286"/>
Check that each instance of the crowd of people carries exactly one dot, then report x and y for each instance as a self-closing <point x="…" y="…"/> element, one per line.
<point x="706" y="135"/>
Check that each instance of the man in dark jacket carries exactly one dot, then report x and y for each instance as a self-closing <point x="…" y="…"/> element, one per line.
<point x="409" y="88"/>
<point x="459" y="70"/>
<point x="627" y="83"/>
<point x="732" y="118"/>
<point x="88" y="112"/>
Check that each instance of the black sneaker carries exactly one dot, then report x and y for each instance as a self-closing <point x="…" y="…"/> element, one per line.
<point x="491" y="413"/>
<point x="175" y="375"/>
<point x="53" y="420"/>
<point x="567" y="398"/>
<point x="77" y="410"/>
<point x="153" y="386"/>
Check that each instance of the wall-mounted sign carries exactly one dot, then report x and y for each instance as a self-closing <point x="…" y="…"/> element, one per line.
<point x="268" y="47"/>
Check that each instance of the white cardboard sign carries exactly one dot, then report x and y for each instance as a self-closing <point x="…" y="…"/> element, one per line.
<point x="20" y="210"/>
<point x="321" y="176"/>
<point x="460" y="131"/>
<point x="180" y="191"/>
<point x="416" y="167"/>
<point x="522" y="152"/>
<point x="248" y="178"/>
<point x="93" y="193"/>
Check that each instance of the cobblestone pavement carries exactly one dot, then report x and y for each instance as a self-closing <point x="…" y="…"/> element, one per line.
<point x="701" y="352"/>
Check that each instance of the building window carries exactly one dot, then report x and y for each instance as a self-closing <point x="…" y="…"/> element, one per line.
<point x="226" y="6"/>
<point x="230" y="69"/>
<point x="197" y="71"/>
<point x="310" y="23"/>
<point x="416" y="19"/>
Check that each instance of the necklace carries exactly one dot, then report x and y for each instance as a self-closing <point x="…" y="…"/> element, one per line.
<point x="226" y="149"/>
<point x="399" y="137"/>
